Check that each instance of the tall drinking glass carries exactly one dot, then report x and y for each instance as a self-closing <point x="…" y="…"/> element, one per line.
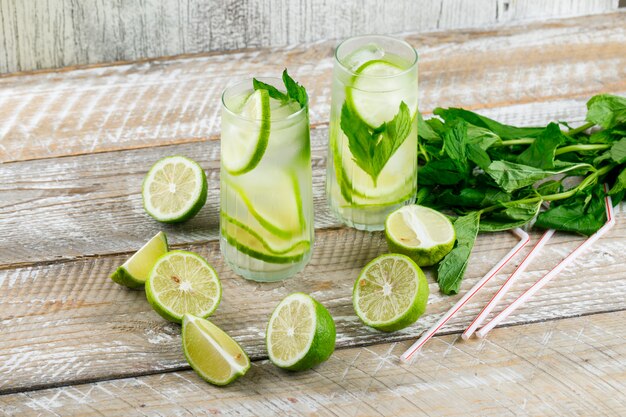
<point x="266" y="218"/>
<point x="372" y="168"/>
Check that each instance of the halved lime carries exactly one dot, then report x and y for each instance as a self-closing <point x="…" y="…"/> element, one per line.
<point x="183" y="283"/>
<point x="300" y="333"/>
<point x="390" y="293"/>
<point x="214" y="355"/>
<point x="421" y="233"/>
<point x="262" y="245"/>
<point x="174" y="190"/>
<point x="376" y="92"/>
<point x="243" y="144"/>
<point x="135" y="271"/>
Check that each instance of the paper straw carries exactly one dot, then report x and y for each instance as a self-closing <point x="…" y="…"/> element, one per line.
<point x="507" y="285"/>
<point x="524" y="239"/>
<point x="557" y="269"/>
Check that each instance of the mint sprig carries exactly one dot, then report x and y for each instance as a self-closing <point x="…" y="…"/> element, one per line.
<point x="371" y="149"/>
<point x="295" y="91"/>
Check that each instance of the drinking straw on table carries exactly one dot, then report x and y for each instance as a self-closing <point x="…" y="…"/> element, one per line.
<point x="524" y="239"/>
<point x="556" y="270"/>
<point x="507" y="285"/>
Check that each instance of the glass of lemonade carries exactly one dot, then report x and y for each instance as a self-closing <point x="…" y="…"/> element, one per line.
<point x="266" y="218"/>
<point x="372" y="168"/>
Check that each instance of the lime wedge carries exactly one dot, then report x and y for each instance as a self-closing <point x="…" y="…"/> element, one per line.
<point x="421" y="233"/>
<point x="243" y="144"/>
<point x="135" y="271"/>
<point x="390" y="293"/>
<point x="300" y="333"/>
<point x="214" y="355"/>
<point x="174" y="190"/>
<point x="183" y="282"/>
<point x="376" y="92"/>
<point x="263" y="246"/>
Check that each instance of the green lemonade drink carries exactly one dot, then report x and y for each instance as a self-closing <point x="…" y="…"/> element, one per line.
<point x="266" y="219"/>
<point x="372" y="168"/>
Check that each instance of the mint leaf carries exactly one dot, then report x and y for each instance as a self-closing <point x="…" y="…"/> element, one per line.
<point x="513" y="216"/>
<point x="443" y="172"/>
<point x="540" y="154"/>
<point x="503" y="131"/>
<point x="620" y="183"/>
<point x="295" y="91"/>
<point x="371" y="150"/>
<point x="271" y="90"/>
<point x="425" y="131"/>
<point x="511" y="176"/>
<point x="606" y="110"/>
<point x="453" y="266"/>
<point x="618" y="151"/>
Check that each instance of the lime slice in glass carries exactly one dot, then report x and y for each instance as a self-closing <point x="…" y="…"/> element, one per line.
<point x="174" y="190"/>
<point x="390" y="293"/>
<point x="183" y="282"/>
<point x="300" y="333"/>
<point x="135" y="271"/>
<point x="377" y="91"/>
<point x="244" y="143"/>
<point x="214" y="355"/>
<point x="421" y="233"/>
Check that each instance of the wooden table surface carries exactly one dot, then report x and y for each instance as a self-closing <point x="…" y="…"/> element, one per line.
<point x="75" y="145"/>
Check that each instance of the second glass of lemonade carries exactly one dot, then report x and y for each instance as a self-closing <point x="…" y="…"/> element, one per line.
<point x="266" y="219"/>
<point x="372" y="164"/>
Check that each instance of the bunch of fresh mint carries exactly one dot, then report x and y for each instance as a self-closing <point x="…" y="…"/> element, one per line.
<point x="494" y="177"/>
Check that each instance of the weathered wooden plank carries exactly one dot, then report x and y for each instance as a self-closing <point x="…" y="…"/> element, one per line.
<point x="566" y="367"/>
<point x="176" y="101"/>
<point x="66" y="322"/>
<point x="46" y="34"/>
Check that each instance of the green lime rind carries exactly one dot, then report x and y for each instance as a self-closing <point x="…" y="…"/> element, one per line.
<point x="194" y="359"/>
<point x="269" y="226"/>
<point x="421" y="256"/>
<point x="262" y="139"/>
<point x="166" y="311"/>
<point x="193" y="208"/>
<point x="136" y="270"/>
<point x="408" y="315"/>
<point x="320" y="347"/>
<point x="238" y="230"/>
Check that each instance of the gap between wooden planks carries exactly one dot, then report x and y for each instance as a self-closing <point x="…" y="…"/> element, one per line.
<point x="177" y="101"/>
<point x="567" y="367"/>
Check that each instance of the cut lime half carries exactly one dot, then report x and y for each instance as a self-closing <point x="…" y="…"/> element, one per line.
<point x="214" y="355"/>
<point x="421" y="233"/>
<point x="390" y="293"/>
<point x="135" y="271"/>
<point x="300" y="333"/>
<point x="174" y="190"/>
<point x="183" y="283"/>
<point x="243" y="144"/>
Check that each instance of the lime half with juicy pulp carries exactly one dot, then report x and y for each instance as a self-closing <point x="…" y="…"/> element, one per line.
<point x="390" y="293"/>
<point x="300" y="333"/>
<point x="421" y="233"/>
<point x="183" y="283"/>
<point x="243" y="144"/>
<point x="214" y="355"/>
<point x="174" y="190"/>
<point x="135" y="271"/>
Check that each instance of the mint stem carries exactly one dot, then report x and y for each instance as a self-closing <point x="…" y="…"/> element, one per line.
<point x="582" y="147"/>
<point x="579" y="129"/>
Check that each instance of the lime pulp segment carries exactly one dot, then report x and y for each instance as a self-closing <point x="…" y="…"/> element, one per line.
<point x="183" y="283"/>
<point x="214" y="355"/>
<point x="136" y="270"/>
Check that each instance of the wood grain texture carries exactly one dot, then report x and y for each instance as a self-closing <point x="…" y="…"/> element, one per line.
<point x="66" y="322"/>
<point x="177" y="101"/>
<point x="566" y="367"/>
<point x="37" y="34"/>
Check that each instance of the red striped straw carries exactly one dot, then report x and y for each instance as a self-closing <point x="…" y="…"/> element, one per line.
<point x="507" y="285"/>
<point x="555" y="271"/>
<point x="524" y="239"/>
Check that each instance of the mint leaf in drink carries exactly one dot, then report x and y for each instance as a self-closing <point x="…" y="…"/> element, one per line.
<point x="606" y="110"/>
<point x="295" y="91"/>
<point x="453" y="266"/>
<point x="371" y="150"/>
<point x="541" y="153"/>
<point x="618" y="151"/>
<point x="271" y="90"/>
